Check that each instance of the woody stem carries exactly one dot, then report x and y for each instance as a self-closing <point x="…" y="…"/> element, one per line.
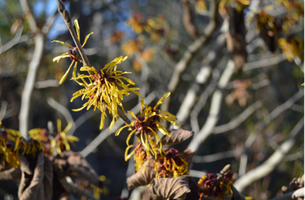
<point x="67" y="18"/>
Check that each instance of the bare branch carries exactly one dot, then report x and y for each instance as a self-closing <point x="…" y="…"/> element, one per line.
<point x="284" y="106"/>
<point x="272" y="162"/>
<point x="200" y="104"/>
<point x="293" y="157"/>
<point x="196" y="173"/>
<point x="49" y="23"/>
<point x="214" y="109"/>
<point x="144" y="73"/>
<point x="201" y="80"/>
<point x="29" y="15"/>
<point x="84" y="117"/>
<point x="18" y="38"/>
<point x="239" y="119"/>
<point x="3" y="110"/>
<point x="75" y="188"/>
<point x="105" y="133"/>
<point x="64" y="111"/>
<point x="217" y="156"/>
<point x="263" y="63"/>
<point x="66" y="16"/>
<point x="182" y="65"/>
<point x="46" y="84"/>
<point x="32" y="70"/>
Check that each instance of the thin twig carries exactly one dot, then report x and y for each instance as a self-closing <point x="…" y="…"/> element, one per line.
<point x="46" y="84"/>
<point x="239" y="119"/>
<point x="217" y="156"/>
<point x="3" y="110"/>
<point x="87" y="115"/>
<point x="263" y="63"/>
<point x="18" y="38"/>
<point x="75" y="188"/>
<point x="67" y="18"/>
<point x="272" y="162"/>
<point x="65" y="112"/>
<point x="291" y="195"/>
<point x="144" y="73"/>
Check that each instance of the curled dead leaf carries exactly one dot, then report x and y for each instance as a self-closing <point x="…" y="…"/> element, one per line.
<point x="236" y="40"/>
<point x="176" y="136"/>
<point x="188" y="156"/>
<point x="172" y="188"/>
<point x="143" y="177"/>
<point x="269" y="38"/>
<point x="72" y="163"/>
<point x="10" y="174"/>
<point x="36" y="178"/>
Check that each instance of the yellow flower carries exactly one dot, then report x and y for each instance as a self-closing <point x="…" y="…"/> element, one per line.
<point x="102" y="89"/>
<point x="12" y="143"/>
<point x="61" y="141"/>
<point x="292" y="47"/>
<point x="200" y="6"/>
<point x="133" y="46"/>
<point x="171" y="164"/>
<point x="147" y="125"/>
<point x="136" y="22"/>
<point x="27" y="146"/>
<point x="72" y="53"/>
<point x="239" y="4"/>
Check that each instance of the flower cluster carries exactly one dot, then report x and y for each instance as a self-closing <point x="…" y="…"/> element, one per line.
<point x="139" y="156"/>
<point x="211" y="186"/>
<point x="240" y="4"/>
<point x="147" y="126"/>
<point x="104" y="89"/>
<point x="171" y="164"/>
<point x="294" y="46"/>
<point x="278" y="27"/>
<point x="57" y="144"/>
<point x="200" y="6"/>
<point x="137" y="22"/>
<point x="12" y="144"/>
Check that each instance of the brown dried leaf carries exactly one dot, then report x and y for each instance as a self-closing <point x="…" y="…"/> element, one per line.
<point x="170" y="187"/>
<point x="236" y="194"/>
<point x="143" y="177"/>
<point x="10" y="174"/>
<point x="236" y="40"/>
<point x="149" y="196"/>
<point x="188" y="20"/>
<point x="73" y="163"/>
<point x="32" y="185"/>
<point x="193" y="195"/>
<point x="176" y="136"/>
<point x="48" y="178"/>
<point x="269" y="39"/>
<point x="188" y="157"/>
<point x="3" y="164"/>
